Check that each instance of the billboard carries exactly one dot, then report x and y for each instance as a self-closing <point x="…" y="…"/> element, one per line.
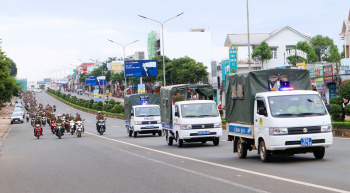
<point x="116" y="67"/>
<point x="41" y="82"/>
<point x="328" y="73"/>
<point x="140" y="68"/>
<point x="92" y="80"/>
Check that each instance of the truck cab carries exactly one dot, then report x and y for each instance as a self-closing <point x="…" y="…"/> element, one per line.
<point x="192" y="120"/>
<point x="142" y="114"/>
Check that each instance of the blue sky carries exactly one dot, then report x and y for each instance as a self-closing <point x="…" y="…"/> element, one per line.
<point x="41" y="35"/>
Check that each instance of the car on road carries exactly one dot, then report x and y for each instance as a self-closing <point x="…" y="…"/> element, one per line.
<point x="39" y="91"/>
<point x="16" y="117"/>
<point x="18" y="105"/>
<point x="19" y="110"/>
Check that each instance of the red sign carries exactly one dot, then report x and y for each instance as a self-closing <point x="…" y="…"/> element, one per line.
<point x="317" y="72"/>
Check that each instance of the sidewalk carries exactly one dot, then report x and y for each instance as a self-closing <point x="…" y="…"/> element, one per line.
<point x="5" y="124"/>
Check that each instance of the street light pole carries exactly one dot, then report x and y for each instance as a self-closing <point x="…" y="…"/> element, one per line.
<point x="162" y="24"/>
<point x="248" y="38"/>
<point x="124" y="56"/>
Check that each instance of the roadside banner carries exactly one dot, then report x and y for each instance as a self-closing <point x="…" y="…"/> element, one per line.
<point x="96" y="97"/>
<point x="92" y="80"/>
<point x="141" y="88"/>
<point x="233" y="58"/>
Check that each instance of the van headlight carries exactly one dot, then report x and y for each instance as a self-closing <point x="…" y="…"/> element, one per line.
<point x="186" y="126"/>
<point x="158" y="122"/>
<point x="138" y="123"/>
<point x="217" y="125"/>
<point x="278" y="131"/>
<point x="326" y="128"/>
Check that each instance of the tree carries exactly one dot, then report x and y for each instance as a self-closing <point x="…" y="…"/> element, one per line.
<point x="321" y="45"/>
<point x="334" y="55"/>
<point x="342" y="55"/>
<point x="82" y="78"/>
<point x="13" y="68"/>
<point x="262" y="52"/>
<point x="305" y="47"/>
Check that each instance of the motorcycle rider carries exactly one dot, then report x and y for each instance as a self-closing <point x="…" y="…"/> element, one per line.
<point x="39" y="122"/>
<point x="99" y="117"/>
<point x="78" y="118"/>
<point x="59" y="120"/>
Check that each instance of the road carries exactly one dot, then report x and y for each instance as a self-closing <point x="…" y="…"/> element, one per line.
<point x="115" y="162"/>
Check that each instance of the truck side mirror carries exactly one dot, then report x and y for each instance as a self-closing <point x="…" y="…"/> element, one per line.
<point x="262" y="111"/>
<point x="131" y="114"/>
<point x="177" y="114"/>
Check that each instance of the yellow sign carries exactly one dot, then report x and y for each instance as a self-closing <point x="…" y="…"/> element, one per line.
<point x="261" y="121"/>
<point x="301" y="65"/>
<point x="95" y="95"/>
<point x="107" y="91"/>
<point x="116" y="67"/>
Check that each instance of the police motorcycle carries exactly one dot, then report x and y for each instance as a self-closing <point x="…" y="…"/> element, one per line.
<point x="59" y="130"/>
<point x="43" y="120"/>
<point x="79" y="128"/>
<point x="101" y="126"/>
<point x="71" y="126"/>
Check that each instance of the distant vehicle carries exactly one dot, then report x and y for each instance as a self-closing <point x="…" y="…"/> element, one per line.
<point x="16" y="117"/>
<point x="39" y="91"/>
<point x="18" y="101"/>
<point x="18" y="110"/>
<point x="18" y="105"/>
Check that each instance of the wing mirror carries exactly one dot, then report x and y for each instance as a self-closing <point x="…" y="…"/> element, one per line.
<point x="262" y="111"/>
<point x="177" y="114"/>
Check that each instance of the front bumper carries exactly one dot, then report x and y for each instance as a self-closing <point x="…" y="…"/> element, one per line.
<point x="284" y="142"/>
<point x="199" y="133"/>
<point x="148" y="128"/>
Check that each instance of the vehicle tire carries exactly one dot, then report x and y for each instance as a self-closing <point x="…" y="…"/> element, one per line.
<point x="265" y="154"/>
<point x="38" y="134"/>
<point x="130" y="133"/>
<point x="153" y="133"/>
<point x="216" y="141"/>
<point x="59" y="134"/>
<point x="11" y="122"/>
<point x="180" y="142"/>
<point x="241" y="149"/>
<point x="135" y="134"/>
<point x="170" y="141"/>
<point x="319" y="152"/>
<point x="159" y="133"/>
<point x="21" y="121"/>
<point x="204" y="142"/>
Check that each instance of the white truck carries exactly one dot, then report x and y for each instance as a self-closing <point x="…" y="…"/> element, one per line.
<point x="276" y="112"/>
<point x="190" y="120"/>
<point x="142" y="114"/>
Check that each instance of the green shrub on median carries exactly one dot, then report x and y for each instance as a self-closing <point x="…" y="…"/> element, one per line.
<point x="341" y="125"/>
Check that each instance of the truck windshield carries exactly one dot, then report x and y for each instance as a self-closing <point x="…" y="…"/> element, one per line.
<point x="296" y="105"/>
<point x="147" y="111"/>
<point x="199" y="110"/>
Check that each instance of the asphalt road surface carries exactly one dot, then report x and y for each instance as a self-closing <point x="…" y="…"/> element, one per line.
<point x="115" y="162"/>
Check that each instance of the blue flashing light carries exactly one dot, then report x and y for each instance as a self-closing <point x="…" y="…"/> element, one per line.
<point x="286" y="88"/>
<point x="144" y="100"/>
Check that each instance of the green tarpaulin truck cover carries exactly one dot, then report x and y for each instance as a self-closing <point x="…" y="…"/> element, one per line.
<point x="167" y="92"/>
<point x="240" y="90"/>
<point x="132" y="100"/>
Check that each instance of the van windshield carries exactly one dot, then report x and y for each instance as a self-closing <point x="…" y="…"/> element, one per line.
<point x="147" y="111"/>
<point x="296" y="105"/>
<point x="199" y="110"/>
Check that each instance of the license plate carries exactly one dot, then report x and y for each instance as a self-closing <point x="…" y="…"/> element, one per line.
<point x="203" y="132"/>
<point x="149" y="126"/>
<point x="306" y="142"/>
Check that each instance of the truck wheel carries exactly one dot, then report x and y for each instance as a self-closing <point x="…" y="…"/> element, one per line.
<point x="319" y="152"/>
<point x="180" y="142"/>
<point x="242" y="149"/>
<point x="159" y="133"/>
<point x="170" y="141"/>
<point x="264" y="153"/>
<point x="130" y="133"/>
<point x="135" y="134"/>
<point x="216" y="141"/>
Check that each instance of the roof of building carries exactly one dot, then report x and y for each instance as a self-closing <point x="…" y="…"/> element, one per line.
<point x="86" y="64"/>
<point x="346" y="27"/>
<point x="256" y="38"/>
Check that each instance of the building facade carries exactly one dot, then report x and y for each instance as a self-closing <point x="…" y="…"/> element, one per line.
<point x="345" y="35"/>
<point x="280" y="41"/>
